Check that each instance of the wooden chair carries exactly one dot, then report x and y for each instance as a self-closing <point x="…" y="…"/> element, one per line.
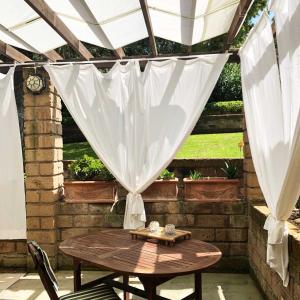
<point x="42" y="264"/>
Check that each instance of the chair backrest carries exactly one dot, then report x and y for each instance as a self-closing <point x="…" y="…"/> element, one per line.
<point x="42" y="264"/>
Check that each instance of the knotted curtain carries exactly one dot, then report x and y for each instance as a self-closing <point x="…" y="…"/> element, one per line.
<point x="272" y="103"/>
<point x="136" y="121"/>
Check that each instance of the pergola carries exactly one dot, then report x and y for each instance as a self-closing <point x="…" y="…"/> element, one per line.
<point x="270" y="96"/>
<point x="41" y="26"/>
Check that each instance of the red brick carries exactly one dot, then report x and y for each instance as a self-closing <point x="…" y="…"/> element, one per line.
<point x="48" y="223"/>
<point x="238" y="249"/>
<point x="239" y="221"/>
<point x="7" y="247"/>
<point x="212" y="221"/>
<point x="233" y="235"/>
<point x="42" y="237"/>
<point x="204" y="234"/>
<point x="33" y="223"/>
<point x="230" y="208"/>
<point x="64" y="221"/>
<point x="180" y="220"/>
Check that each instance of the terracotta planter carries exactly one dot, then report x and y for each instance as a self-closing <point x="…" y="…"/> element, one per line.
<point x="90" y="191"/>
<point x="212" y="190"/>
<point x="161" y="190"/>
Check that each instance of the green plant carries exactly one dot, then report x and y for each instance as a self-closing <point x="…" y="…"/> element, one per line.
<point x="229" y="85"/>
<point x="87" y="168"/>
<point x="224" y="107"/>
<point x="230" y="170"/>
<point x="166" y="175"/>
<point x="195" y="175"/>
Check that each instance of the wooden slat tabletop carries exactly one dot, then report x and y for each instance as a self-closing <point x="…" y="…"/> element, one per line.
<point x="115" y="250"/>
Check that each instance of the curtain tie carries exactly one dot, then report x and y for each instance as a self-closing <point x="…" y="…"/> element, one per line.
<point x="136" y="205"/>
<point x="277" y="229"/>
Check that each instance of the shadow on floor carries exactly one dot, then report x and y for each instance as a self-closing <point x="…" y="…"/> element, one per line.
<point x="216" y="286"/>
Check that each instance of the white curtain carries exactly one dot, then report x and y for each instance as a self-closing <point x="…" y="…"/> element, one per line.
<point x="273" y="121"/>
<point x="136" y="121"/>
<point x="12" y="199"/>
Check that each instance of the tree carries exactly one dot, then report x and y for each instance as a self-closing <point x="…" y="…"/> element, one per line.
<point x="228" y="86"/>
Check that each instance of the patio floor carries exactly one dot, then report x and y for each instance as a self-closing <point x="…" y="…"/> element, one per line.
<point x="216" y="286"/>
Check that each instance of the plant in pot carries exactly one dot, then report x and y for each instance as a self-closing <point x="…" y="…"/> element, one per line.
<point x="212" y="189"/>
<point x="230" y="170"/>
<point x="91" y="182"/>
<point x="164" y="188"/>
<point x="196" y="175"/>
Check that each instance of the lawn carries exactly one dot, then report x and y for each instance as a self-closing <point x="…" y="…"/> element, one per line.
<point x="225" y="145"/>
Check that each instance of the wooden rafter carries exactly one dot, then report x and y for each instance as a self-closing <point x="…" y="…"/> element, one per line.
<point x="13" y="53"/>
<point x="148" y="23"/>
<point x="45" y="12"/>
<point x="119" y="53"/>
<point x="53" y="55"/>
<point x="237" y="22"/>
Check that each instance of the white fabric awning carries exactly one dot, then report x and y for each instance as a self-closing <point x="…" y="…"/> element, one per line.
<point x="115" y="23"/>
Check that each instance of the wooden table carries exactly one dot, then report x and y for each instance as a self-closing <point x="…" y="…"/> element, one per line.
<point x="152" y="263"/>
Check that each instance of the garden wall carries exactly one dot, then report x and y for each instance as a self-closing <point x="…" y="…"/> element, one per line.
<point x="223" y="224"/>
<point x="13" y="254"/>
<point x="268" y="280"/>
<point x="220" y="123"/>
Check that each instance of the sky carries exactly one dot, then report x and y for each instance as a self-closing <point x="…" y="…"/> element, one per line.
<point x="255" y="19"/>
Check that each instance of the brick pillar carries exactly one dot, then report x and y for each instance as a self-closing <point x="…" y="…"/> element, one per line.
<point x="43" y="164"/>
<point x="252" y="190"/>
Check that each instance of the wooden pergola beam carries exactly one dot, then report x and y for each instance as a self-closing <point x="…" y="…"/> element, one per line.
<point x="13" y="53"/>
<point x="45" y="12"/>
<point x="53" y="55"/>
<point x="237" y="22"/>
<point x="119" y="53"/>
<point x="148" y="23"/>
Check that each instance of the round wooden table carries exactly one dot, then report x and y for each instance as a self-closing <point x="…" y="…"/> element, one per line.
<point x="152" y="263"/>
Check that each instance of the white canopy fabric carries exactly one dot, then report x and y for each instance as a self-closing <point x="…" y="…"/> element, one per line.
<point x="12" y="200"/>
<point x="136" y="121"/>
<point x="273" y="121"/>
<point x="115" y="23"/>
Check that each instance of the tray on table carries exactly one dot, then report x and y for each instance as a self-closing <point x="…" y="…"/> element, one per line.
<point x="160" y="235"/>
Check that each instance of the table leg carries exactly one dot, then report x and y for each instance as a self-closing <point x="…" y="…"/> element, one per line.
<point x="77" y="274"/>
<point x="126" y="282"/>
<point x="198" y="286"/>
<point x="149" y="286"/>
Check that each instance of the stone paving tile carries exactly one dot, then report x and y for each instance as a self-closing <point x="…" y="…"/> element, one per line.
<point x="8" y="279"/>
<point x="216" y="286"/>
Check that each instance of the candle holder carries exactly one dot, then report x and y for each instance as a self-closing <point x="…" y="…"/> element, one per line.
<point x="153" y="226"/>
<point x="170" y="229"/>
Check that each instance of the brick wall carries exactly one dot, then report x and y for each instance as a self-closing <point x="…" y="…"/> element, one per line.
<point x="223" y="224"/>
<point x="13" y="254"/>
<point x="268" y="280"/>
